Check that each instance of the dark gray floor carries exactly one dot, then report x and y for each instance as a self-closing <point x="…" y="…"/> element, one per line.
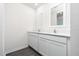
<point x="24" y="52"/>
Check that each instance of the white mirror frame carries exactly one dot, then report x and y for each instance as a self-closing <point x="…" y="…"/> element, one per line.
<point x="64" y="16"/>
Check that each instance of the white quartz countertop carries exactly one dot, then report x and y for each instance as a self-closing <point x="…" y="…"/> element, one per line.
<point x="52" y="34"/>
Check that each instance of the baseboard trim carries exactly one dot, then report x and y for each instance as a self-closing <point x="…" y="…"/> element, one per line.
<point x="16" y="49"/>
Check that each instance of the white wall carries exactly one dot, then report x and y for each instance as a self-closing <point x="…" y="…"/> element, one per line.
<point x="42" y="18"/>
<point x="43" y="21"/>
<point x="2" y="15"/>
<point x="19" y="20"/>
<point x="75" y="29"/>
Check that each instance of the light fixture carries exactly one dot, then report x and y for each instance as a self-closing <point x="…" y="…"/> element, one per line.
<point x="36" y="4"/>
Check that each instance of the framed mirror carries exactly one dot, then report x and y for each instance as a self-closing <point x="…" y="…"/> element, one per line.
<point x="57" y="16"/>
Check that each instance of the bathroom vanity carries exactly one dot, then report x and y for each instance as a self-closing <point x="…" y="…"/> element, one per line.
<point x="53" y="21"/>
<point x="49" y="44"/>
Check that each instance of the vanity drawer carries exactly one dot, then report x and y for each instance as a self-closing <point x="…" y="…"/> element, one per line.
<point x="54" y="38"/>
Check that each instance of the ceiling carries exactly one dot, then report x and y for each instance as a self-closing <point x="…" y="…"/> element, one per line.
<point x="34" y="5"/>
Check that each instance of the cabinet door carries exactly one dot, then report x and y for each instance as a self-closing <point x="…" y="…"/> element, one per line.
<point x="51" y="48"/>
<point x="56" y="49"/>
<point x="43" y="47"/>
<point x="33" y="41"/>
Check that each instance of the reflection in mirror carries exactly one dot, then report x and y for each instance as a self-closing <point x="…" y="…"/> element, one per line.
<point x="53" y="16"/>
<point x="60" y="18"/>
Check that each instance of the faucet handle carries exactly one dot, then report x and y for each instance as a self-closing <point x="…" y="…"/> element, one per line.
<point x="54" y="30"/>
<point x="38" y="30"/>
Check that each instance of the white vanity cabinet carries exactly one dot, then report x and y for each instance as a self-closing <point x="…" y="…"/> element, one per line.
<point x="56" y="49"/>
<point x="52" y="47"/>
<point x="33" y="40"/>
<point x="43" y="47"/>
<point x="49" y="45"/>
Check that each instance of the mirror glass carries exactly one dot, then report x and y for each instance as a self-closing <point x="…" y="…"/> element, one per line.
<point x="57" y="15"/>
<point x="60" y="18"/>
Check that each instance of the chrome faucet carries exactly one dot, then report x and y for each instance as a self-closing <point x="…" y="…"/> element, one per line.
<point x="54" y="30"/>
<point x="38" y="30"/>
